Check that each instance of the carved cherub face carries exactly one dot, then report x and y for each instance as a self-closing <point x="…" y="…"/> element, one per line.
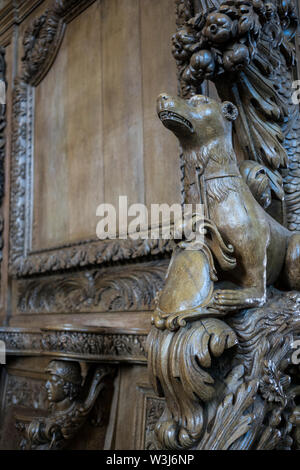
<point x="196" y="121"/>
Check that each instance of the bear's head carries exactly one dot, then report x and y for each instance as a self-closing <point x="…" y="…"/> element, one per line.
<point x="197" y="121"/>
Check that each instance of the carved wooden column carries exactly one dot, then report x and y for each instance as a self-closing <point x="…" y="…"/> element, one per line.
<point x="222" y="346"/>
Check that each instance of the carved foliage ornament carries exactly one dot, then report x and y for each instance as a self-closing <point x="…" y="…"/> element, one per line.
<point x="41" y="43"/>
<point x="117" y="289"/>
<point x="247" y="49"/>
<point x="228" y="386"/>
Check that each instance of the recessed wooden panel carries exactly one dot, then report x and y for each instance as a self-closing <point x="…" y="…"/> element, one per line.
<point x="68" y="138"/>
<point x="161" y="153"/>
<point x="122" y="101"/>
<point x="97" y="135"/>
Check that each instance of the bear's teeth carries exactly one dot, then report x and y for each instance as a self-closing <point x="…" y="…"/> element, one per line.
<point x="175" y="117"/>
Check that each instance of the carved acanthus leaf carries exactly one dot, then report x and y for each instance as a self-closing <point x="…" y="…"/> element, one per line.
<point x="132" y="287"/>
<point x="245" y="395"/>
<point x="181" y="370"/>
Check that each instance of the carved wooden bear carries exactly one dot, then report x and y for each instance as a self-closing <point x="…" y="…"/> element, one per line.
<point x="264" y="249"/>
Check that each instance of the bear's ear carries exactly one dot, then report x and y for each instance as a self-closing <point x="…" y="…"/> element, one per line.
<point x="230" y="111"/>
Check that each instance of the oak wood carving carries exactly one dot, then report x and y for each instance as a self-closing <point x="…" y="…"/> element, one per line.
<point x="221" y="347"/>
<point x="220" y="350"/>
<point x="70" y="405"/>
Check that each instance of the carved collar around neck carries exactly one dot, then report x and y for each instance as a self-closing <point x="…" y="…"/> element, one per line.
<point x="230" y="171"/>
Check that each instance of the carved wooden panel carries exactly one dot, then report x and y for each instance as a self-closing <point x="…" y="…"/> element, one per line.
<point x="75" y="117"/>
<point x="106" y="289"/>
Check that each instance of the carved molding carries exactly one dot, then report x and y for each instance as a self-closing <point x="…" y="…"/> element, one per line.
<point x="82" y="343"/>
<point x="69" y="9"/>
<point x="21" y="341"/>
<point x="2" y="146"/>
<point x="129" y="288"/>
<point x="21" y="162"/>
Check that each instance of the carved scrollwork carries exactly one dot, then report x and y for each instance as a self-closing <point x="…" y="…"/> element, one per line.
<point x="178" y="372"/>
<point x="131" y="288"/>
<point x="69" y="408"/>
<point x="242" y="400"/>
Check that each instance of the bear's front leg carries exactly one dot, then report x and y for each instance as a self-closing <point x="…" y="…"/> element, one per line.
<point x="251" y="277"/>
<point x="237" y="299"/>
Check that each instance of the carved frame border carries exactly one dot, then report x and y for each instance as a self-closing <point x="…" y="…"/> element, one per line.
<point x="42" y="42"/>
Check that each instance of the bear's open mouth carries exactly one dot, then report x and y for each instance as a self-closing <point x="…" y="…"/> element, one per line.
<point x="171" y="116"/>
